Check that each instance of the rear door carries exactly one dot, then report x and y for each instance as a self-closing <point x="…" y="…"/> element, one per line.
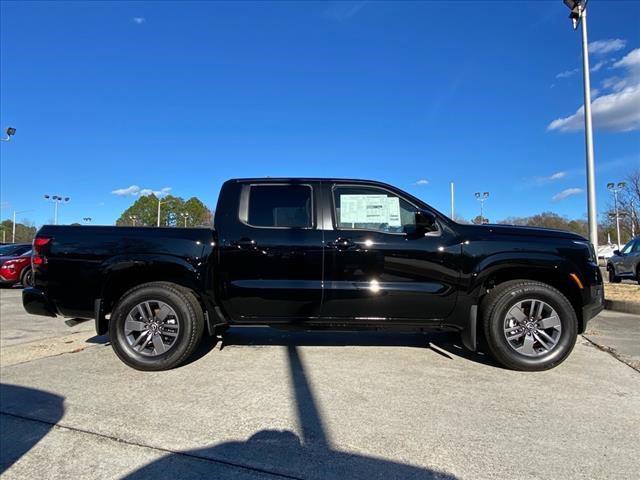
<point x="271" y="253"/>
<point x="376" y="269"/>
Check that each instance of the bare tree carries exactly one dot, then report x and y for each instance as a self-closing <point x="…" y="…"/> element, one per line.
<point x="628" y="209"/>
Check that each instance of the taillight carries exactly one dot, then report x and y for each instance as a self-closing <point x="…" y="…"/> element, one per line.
<point x="39" y="244"/>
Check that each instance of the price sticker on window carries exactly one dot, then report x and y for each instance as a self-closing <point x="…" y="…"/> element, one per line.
<point x="370" y="209"/>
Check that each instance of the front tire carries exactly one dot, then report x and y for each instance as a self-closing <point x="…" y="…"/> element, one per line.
<point x="529" y="325"/>
<point x="156" y="326"/>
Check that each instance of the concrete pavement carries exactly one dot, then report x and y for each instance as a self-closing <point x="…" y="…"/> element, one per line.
<point x="270" y="404"/>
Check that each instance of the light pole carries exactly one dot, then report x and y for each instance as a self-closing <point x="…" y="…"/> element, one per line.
<point x="578" y="16"/>
<point x="56" y="199"/>
<point x="452" y="202"/>
<point x="13" y="233"/>
<point x="613" y="188"/>
<point x="481" y="197"/>
<point x="159" y="203"/>
<point x="185" y="215"/>
<point x="10" y="133"/>
<point x="87" y="219"/>
<point x="133" y="219"/>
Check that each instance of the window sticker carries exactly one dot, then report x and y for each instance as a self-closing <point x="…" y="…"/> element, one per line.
<point x="393" y="212"/>
<point x="370" y="209"/>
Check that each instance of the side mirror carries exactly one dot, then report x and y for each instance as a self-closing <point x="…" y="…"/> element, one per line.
<point x="616" y="252"/>
<point x="425" y="221"/>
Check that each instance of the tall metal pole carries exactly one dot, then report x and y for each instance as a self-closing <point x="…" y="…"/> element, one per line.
<point x="615" y="201"/>
<point x="159" y="202"/>
<point x="481" y="212"/>
<point x="13" y="236"/>
<point x="588" y="132"/>
<point x="452" y="202"/>
<point x="55" y="212"/>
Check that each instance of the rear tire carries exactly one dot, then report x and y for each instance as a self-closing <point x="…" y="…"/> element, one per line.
<point x="26" y="278"/>
<point x="547" y="338"/>
<point x="613" y="278"/>
<point x="158" y="348"/>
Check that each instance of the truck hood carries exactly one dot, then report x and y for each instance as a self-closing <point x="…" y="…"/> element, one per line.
<point x="519" y="231"/>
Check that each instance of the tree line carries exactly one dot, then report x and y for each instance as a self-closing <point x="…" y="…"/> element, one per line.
<point x="174" y="212"/>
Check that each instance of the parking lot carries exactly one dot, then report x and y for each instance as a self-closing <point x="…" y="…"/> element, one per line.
<point x="262" y="403"/>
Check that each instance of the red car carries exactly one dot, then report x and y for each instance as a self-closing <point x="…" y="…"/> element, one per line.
<point x="15" y="264"/>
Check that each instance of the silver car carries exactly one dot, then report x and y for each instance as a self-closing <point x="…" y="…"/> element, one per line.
<point x="625" y="263"/>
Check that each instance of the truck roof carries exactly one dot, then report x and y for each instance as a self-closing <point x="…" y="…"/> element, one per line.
<point x="307" y="179"/>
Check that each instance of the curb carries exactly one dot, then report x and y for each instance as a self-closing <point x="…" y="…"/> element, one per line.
<point x="622" y="306"/>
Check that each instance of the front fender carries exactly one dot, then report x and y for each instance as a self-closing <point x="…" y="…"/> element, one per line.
<point x="530" y="264"/>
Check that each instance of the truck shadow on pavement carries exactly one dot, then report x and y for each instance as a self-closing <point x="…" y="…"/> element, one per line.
<point x="283" y="453"/>
<point x="18" y="436"/>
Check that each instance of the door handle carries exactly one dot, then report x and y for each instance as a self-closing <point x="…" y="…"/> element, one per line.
<point x="342" y="243"/>
<point x="245" y="243"/>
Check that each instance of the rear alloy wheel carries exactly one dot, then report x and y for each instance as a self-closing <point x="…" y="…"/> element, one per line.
<point x="528" y="325"/>
<point x="156" y="326"/>
<point x="152" y="328"/>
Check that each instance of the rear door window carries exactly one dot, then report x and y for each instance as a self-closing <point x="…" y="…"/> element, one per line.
<point x="280" y="206"/>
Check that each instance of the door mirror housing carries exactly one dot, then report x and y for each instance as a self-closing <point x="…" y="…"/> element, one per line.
<point x="425" y="222"/>
<point x="616" y="252"/>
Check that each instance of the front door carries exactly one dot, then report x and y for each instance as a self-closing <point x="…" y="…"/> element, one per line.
<point x="377" y="267"/>
<point x="271" y="258"/>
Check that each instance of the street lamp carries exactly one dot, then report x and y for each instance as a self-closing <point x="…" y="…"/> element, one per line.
<point x="10" y="133"/>
<point x="133" y="219"/>
<point x="56" y="199"/>
<point x="13" y="234"/>
<point x="87" y="219"/>
<point x="613" y="188"/>
<point x="578" y="16"/>
<point x="159" y="203"/>
<point x="481" y="197"/>
<point x="185" y="215"/>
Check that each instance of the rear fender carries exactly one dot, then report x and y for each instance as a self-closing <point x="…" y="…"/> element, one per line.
<point x="122" y="273"/>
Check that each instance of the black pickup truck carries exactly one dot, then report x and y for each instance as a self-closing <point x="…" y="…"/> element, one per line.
<point x="314" y="253"/>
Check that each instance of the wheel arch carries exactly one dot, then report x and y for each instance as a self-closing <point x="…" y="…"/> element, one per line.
<point x="121" y="275"/>
<point x="556" y="274"/>
<point x="559" y="279"/>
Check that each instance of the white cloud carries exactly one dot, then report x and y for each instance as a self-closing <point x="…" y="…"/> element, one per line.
<point x="135" y="190"/>
<point x="422" y="181"/>
<point x="631" y="60"/>
<point x="598" y="66"/>
<point x="158" y="193"/>
<point x="125" y="192"/>
<point x="139" y="20"/>
<point x="601" y="47"/>
<point x="619" y="109"/>
<point x="558" y="175"/>
<point x="567" y="73"/>
<point x="344" y="10"/>
<point x="617" y="112"/>
<point x="566" y="194"/>
<point x="550" y="178"/>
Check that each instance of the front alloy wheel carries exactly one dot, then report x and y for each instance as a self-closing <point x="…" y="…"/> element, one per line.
<point x="532" y="327"/>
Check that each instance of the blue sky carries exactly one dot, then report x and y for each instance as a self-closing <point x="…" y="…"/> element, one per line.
<point x="184" y="95"/>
